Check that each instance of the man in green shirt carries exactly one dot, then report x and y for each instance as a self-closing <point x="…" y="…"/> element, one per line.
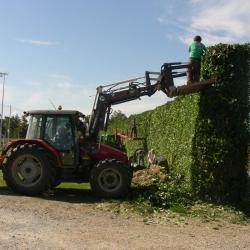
<point x="196" y="50"/>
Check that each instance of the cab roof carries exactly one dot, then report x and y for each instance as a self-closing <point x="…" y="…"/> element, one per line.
<point x="53" y="112"/>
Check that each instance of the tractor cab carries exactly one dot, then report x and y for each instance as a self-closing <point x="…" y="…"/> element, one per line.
<point x="60" y="129"/>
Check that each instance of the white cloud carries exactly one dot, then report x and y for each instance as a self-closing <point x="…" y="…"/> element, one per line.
<point x="62" y="81"/>
<point x="227" y="20"/>
<point x="61" y="77"/>
<point x="37" y="42"/>
<point x="146" y="103"/>
<point x="217" y="21"/>
<point x="34" y="83"/>
<point x="39" y="95"/>
<point x="161" y="19"/>
<point x="60" y="89"/>
<point x="209" y="39"/>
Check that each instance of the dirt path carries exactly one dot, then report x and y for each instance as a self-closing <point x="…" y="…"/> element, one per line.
<point x="38" y="223"/>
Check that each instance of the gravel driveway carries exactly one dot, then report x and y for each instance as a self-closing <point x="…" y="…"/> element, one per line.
<point x="40" y="223"/>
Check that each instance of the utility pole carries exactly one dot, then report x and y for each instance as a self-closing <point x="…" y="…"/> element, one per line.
<point x="1" y="124"/>
<point x="9" y="125"/>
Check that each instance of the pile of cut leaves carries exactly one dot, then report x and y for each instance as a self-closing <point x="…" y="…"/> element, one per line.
<point x="160" y="188"/>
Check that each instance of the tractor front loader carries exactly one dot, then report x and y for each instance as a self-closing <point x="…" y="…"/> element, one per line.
<point x="61" y="147"/>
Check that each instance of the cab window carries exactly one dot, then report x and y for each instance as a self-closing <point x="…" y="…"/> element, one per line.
<point x="34" y="128"/>
<point x="58" y="132"/>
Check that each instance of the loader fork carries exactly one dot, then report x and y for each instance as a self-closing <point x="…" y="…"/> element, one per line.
<point x="132" y="89"/>
<point x="169" y="71"/>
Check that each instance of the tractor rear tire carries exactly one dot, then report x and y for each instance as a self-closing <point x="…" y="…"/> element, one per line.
<point x="110" y="179"/>
<point x="27" y="170"/>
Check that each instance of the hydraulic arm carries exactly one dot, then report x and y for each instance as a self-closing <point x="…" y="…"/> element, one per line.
<point x="132" y="89"/>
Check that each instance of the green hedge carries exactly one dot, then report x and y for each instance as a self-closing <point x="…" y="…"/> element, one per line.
<point x="172" y="130"/>
<point x="204" y="136"/>
<point x="169" y="129"/>
<point x="143" y="122"/>
<point x="132" y="145"/>
<point x="222" y="134"/>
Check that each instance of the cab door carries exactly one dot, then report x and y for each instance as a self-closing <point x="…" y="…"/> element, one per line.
<point x="59" y="133"/>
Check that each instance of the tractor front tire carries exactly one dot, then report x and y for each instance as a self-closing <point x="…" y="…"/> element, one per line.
<point x="110" y="179"/>
<point x="27" y="170"/>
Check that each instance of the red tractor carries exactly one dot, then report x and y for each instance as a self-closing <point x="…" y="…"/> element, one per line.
<point x="61" y="147"/>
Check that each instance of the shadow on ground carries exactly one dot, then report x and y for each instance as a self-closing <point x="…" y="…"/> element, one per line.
<point x="76" y="195"/>
<point x="6" y="191"/>
<point x="85" y="196"/>
<point x="71" y="195"/>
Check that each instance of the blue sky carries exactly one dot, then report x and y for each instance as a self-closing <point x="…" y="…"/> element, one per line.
<point x="61" y="50"/>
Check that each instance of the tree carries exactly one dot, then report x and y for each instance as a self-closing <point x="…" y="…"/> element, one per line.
<point x="117" y="115"/>
<point x="23" y="126"/>
<point x="15" y="126"/>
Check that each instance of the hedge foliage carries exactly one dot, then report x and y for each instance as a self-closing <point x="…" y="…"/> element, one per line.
<point x="143" y="123"/>
<point x="204" y="136"/>
<point x="169" y="130"/>
<point x="220" y="145"/>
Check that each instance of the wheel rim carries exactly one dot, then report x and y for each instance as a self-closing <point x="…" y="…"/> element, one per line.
<point x="110" y="180"/>
<point x="27" y="170"/>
